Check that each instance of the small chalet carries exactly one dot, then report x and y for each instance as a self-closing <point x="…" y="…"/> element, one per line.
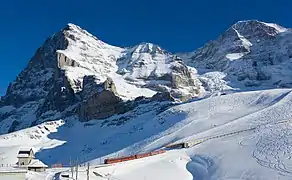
<point x="26" y="160"/>
<point x="25" y="156"/>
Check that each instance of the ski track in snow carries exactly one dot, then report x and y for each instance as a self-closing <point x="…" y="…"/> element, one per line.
<point x="274" y="150"/>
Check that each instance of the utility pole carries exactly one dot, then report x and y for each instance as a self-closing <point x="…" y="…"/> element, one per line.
<point x="87" y="171"/>
<point x="77" y="169"/>
<point x="72" y="167"/>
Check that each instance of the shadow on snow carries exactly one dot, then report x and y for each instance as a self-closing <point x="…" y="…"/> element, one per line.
<point x="87" y="143"/>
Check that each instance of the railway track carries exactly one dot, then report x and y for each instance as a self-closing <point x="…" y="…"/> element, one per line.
<point x="195" y="142"/>
<point x="185" y="144"/>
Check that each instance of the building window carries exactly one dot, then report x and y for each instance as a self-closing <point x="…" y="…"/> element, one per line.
<point x="22" y="163"/>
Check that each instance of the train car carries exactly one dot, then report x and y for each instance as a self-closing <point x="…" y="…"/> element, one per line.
<point x="178" y="145"/>
<point x="128" y="158"/>
<point x="138" y="156"/>
<point x="157" y="152"/>
<point x="117" y="160"/>
<point x="110" y="161"/>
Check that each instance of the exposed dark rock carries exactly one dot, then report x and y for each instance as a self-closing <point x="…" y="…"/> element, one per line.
<point x="36" y="80"/>
<point x="165" y="96"/>
<point x="13" y="126"/>
<point x="63" y="60"/>
<point x="103" y="102"/>
<point x="100" y="106"/>
<point x="60" y="96"/>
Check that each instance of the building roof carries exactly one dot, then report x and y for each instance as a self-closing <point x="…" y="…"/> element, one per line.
<point x="24" y="152"/>
<point x="36" y="163"/>
<point x="25" y="149"/>
<point x="20" y="155"/>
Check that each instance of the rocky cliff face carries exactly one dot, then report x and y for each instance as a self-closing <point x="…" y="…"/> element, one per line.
<point x="99" y="100"/>
<point x="36" y="80"/>
<point x="149" y="66"/>
<point x="75" y="74"/>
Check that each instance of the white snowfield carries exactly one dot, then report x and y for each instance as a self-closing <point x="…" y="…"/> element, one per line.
<point x="263" y="153"/>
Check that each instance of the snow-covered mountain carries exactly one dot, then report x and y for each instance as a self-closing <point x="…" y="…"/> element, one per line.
<point x="75" y="73"/>
<point x="251" y="53"/>
<point x="103" y="101"/>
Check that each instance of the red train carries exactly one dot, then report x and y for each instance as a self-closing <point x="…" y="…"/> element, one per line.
<point x="142" y="155"/>
<point x="128" y="158"/>
<point x="121" y="159"/>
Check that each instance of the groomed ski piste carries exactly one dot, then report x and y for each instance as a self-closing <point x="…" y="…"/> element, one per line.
<point x="246" y="135"/>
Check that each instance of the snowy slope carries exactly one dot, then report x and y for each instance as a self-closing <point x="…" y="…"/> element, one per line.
<point x="252" y="53"/>
<point x="153" y="60"/>
<point x="262" y="153"/>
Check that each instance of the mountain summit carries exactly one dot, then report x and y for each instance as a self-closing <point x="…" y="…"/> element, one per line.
<point x="75" y="73"/>
<point x="251" y="53"/>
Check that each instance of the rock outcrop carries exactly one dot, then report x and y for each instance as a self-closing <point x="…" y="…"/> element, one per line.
<point x="159" y="70"/>
<point x="100" y="103"/>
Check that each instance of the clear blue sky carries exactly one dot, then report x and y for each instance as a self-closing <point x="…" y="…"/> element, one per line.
<point x="175" y="25"/>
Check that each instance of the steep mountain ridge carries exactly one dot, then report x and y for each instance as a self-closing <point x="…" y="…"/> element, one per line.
<point x="71" y="72"/>
<point x="86" y="55"/>
<point x="251" y="53"/>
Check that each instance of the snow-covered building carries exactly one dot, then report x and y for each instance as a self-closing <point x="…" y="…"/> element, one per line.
<point x="36" y="165"/>
<point x="26" y="160"/>
<point x="25" y="156"/>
